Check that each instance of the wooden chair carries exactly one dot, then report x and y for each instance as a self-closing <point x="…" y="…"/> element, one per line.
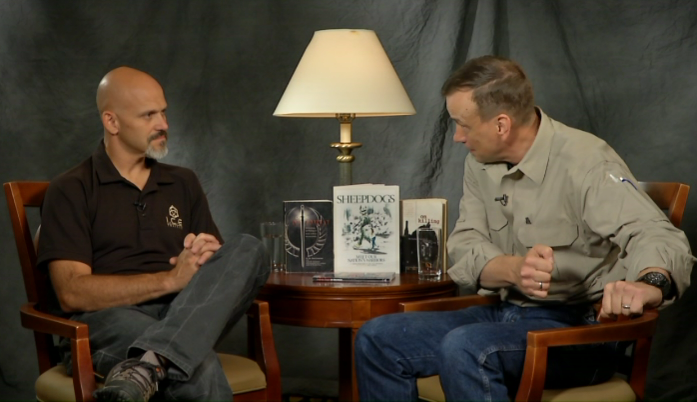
<point x="671" y="197"/>
<point x="253" y="378"/>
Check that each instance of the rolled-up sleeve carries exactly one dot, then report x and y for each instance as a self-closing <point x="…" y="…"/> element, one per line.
<point x="616" y="209"/>
<point x="470" y="247"/>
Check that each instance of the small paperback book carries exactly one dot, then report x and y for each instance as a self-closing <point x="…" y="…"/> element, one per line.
<point x="366" y="228"/>
<point x="370" y="277"/>
<point x="309" y="238"/>
<point x="422" y="213"/>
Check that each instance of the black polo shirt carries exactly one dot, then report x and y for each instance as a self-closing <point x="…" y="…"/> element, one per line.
<point x="93" y="215"/>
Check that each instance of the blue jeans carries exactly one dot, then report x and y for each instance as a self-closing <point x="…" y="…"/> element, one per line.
<point x="478" y="352"/>
<point x="185" y="327"/>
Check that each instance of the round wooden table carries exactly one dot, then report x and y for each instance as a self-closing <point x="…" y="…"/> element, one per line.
<point x="294" y="299"/>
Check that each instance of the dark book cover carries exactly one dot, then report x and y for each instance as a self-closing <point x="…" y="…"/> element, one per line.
<point x="309" y="238"/>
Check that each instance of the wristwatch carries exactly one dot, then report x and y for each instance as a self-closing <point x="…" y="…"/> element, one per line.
<point x="658" y="280"/>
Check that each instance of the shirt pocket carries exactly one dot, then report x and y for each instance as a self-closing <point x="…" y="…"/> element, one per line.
<point x="497" y="227"/>
<point x="558" y="234"/>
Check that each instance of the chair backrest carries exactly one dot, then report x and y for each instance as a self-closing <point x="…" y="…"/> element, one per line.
<point x="20" y="195"/>
<point x="670" y="197"/>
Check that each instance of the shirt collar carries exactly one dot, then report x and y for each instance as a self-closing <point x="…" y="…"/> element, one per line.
<point x="107" y="172"/>
<point x="534" y="163"/>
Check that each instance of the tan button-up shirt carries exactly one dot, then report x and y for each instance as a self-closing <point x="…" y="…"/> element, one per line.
<point x="571" y="192"/>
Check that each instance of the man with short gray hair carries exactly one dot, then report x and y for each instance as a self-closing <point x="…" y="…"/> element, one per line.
<point x="551" y="218"/>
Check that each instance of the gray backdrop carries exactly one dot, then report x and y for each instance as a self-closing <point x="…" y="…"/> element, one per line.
<point x="623" y="70"/>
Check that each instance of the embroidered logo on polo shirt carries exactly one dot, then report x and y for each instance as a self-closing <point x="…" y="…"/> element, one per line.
<point x="173" y="219"/>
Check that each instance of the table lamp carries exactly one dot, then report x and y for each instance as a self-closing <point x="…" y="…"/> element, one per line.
<point x="344" y="74"/>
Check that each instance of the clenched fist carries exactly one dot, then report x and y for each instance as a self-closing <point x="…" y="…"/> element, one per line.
<point x="536" y="271"/>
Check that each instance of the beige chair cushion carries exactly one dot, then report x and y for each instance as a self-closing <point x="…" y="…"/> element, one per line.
<point x="55" y="385"/>
<point x="243" y="374"/>
<point x="616" y="389"/>
<point x="430" y="389"/>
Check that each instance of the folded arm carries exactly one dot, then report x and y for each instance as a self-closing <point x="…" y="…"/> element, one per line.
<point x="78" y="289"/>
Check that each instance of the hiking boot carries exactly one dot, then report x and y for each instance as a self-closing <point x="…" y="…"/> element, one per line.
<point x="131" y="380"/>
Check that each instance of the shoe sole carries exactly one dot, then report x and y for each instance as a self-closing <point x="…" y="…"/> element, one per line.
<point x="118" y="391"/>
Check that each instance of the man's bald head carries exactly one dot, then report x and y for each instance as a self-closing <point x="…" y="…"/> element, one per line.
<point x="120" y="85"/>
<point x="132" y="108"/>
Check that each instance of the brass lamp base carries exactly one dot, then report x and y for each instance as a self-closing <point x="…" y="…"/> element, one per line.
<point x="345" y="148"/>
<point x="345" y="159"/>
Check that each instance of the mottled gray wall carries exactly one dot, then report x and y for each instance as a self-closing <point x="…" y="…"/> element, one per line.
<point x="621" y="69"/>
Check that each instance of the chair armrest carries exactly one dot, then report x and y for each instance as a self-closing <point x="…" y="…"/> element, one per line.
<point x="640" y="329"/>
<point x="50" y="324"/>
<point x="261" y="347"/>
<point x="448" y="303"/>
<point x="627" y="330"/>
<point x="83" y="374"/>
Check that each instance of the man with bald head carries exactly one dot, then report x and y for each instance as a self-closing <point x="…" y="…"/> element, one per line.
<point x="132" y="250"/>
<point x="119" y="96"/>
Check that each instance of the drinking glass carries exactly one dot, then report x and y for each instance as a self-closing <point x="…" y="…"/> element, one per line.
<point x="429" y="253"/>
<point x="272" y="236"/>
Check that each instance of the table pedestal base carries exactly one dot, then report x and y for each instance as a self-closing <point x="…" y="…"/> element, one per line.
<point x="295" y="300"/>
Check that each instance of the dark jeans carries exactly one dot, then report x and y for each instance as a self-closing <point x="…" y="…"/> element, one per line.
<point x="478" y="352"/>
<point x="185" y="328"/>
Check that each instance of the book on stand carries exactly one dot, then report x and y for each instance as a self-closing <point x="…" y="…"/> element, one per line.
<point x="308" y="236"/>
<point x="421" y="213"/>
<point x="366" y="228"/>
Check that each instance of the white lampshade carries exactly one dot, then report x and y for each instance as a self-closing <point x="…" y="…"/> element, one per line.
<point x="344" y="71"/>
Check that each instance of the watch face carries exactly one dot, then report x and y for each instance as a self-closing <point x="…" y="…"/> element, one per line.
<point x="658" y="280"/>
